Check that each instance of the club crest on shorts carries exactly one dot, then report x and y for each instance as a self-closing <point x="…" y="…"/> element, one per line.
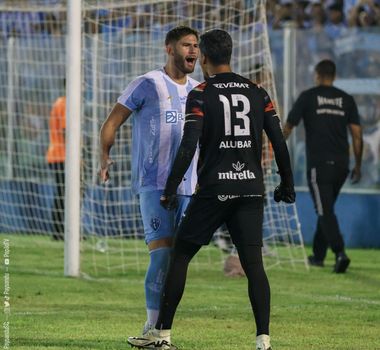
<point x="155" y="223"/>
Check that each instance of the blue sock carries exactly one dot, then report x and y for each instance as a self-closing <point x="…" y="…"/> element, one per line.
<point x="154" y="281"/>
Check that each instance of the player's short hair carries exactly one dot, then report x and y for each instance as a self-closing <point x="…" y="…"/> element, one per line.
<point x="216" y="44"/>
<point x="175" y="34"/>
<point x="326" y="68"/>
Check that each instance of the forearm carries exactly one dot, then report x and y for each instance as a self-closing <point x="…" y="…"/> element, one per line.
<point x="357" y="144"/>
<point x="183" y="159"/>
<point x="107" y="139"/>
<point x="116" y="118"/>
<point x="275" y="135"/>
<point x="287" y="130"/>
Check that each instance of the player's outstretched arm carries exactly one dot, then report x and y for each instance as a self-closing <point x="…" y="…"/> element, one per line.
<point x="115" y="119"/>
<point x="185" y="154"/>
<point x="191" y="134"/>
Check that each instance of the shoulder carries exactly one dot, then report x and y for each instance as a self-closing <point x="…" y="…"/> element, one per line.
<point x="198" y="90"/>
<point x="193" y="82"/>
<point x="342" y="93"/>
<point x="148" y="78"/>
<point x="307" y="95"/>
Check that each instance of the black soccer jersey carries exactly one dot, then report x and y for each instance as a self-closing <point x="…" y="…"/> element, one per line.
<point x="326" y="112"/>
<point x="231" y="113"/>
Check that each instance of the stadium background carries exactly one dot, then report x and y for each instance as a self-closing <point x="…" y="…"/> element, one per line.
<point x="353" y="43"/>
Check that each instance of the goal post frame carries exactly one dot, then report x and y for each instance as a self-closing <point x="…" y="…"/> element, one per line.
<point x="73" y="144"/>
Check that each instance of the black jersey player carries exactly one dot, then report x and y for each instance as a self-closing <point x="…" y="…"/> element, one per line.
<point x="227" y="115"/>
<point x="328" y="113"/>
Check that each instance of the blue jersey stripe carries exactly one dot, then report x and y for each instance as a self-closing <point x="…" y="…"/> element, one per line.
<point x="157" y="126"/>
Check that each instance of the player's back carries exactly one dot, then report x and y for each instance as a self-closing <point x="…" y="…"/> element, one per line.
<point x="231" y="142"/>
<point x="327" y="111"/>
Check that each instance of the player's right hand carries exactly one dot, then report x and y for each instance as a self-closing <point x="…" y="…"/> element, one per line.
<point x="355" y="175"/>
<point x="104" y="169"/>
<point x="284" y="193"/>
<point x="169" y="202"/>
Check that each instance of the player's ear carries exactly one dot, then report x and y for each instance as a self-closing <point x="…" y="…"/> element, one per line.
<point x="203" y="59"/>
<point x="169" y="49"/>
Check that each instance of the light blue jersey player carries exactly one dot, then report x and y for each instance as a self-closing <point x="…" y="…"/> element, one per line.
<point x="156" y="101"/>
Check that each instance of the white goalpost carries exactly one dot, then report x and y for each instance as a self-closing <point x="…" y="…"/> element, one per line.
<point x="109" y="44"/>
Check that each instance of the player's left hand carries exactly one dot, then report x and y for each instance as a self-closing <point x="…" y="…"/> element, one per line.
<point x="169" y="202"/>
<point x="284" y="193"/>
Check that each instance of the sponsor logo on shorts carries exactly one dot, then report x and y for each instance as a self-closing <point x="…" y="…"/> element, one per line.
<point x="225" y="197"/>
<point x="155" y="223"/>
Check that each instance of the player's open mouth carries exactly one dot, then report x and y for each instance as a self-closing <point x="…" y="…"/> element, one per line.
<point x="190" y="60"/>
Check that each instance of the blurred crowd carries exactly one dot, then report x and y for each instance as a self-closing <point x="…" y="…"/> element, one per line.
<point x="333" y="16"/>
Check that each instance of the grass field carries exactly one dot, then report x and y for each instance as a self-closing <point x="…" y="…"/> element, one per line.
<point x="313" y="309"/>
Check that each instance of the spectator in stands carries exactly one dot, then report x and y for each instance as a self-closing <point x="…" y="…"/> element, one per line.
<point x="56" y="159"/>
<point x="284" y="13"/>
<point x="317" y="15"/>
<point x="335" y="26"/>
<point x="365" y="13"/>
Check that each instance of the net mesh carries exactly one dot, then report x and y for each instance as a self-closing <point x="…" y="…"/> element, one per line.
<point x="121" y="40"/>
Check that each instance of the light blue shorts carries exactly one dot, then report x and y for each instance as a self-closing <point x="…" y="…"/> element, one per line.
<point x="158" y="222"/>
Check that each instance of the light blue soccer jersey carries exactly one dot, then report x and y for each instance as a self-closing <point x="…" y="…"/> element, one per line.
<point x="159" y="105"/>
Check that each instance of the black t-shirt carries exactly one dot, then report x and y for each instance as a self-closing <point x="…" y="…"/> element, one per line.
<point x="326" y="112"/>
<point x="232" y="113"/>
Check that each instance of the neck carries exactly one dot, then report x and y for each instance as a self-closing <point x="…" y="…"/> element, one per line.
<point x="223" y="68"/>
<point x="175" y="74"/>
<point x="325" y="82"/>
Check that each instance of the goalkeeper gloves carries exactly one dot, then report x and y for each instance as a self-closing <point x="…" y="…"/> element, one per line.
<point x="285" y="190"/>
<point x="284" y="193"/>
<point x="169" y="201"/>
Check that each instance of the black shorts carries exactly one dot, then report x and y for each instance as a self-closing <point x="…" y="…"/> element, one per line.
<point x="204" y="215"/>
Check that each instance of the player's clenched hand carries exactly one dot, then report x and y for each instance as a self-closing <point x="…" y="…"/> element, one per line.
<point x="284" y="193"/>
<point x="169" y="202"/>
<point x="104" y="169"/>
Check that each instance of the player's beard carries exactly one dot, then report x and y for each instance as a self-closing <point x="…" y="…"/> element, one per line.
<point x="181" y="64"/>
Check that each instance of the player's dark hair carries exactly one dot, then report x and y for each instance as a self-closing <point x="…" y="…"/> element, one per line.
<point x="216" y="44"/>
<point x="179" y="32"/>
<point x="326" y="68"/>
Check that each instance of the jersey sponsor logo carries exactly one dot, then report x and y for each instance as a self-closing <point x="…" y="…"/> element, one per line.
<point x="238" y="166"/>
<point x="172" y="117"/>
<point x="240" y="174"/>
<point x="330" y="111"/>
<point x="338" y="101"/>
<point x="231" y="84"/>
<point x="155" y="223"/>
<point x="235" y="144"/>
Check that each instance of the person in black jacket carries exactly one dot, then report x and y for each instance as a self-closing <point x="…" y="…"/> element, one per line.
<point x="227" y="115"/>
<point x="327" y="113"/>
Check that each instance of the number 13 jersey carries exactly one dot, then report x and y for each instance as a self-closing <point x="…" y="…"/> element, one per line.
<point x="234" y="112"/>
